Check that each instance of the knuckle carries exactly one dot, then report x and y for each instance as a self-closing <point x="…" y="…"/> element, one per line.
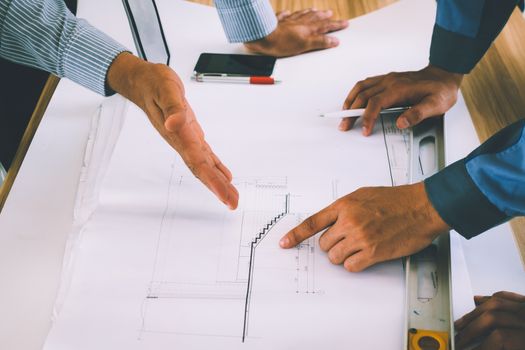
<point x="360" y="85"/>
<point x="416" y="114"/>
<point x="392" y="76"/>
<point x="343" y="202"/>
<point x="375" y="101"/>
<point x="295" y="235"/>
<point x="363" y="96"/>
<point x="361" y="193"/>
<point x="370" y="80"/>
<point x="494" y="303"/>
<point x="334" y="257"/>
<point x="499" y="336"/>
<point x="367" y="245"/>
<point x="323" y="244"/>
<point x="489" y="318"/>
<point x="346" y="226"/>
<point x="397" y="86"/>
<point x="327" y="27"/>
<point x="159" y="67"/>
<point x="338" y="204"/>
<point x="309" y="223"/>
<point x="361" y="190"/>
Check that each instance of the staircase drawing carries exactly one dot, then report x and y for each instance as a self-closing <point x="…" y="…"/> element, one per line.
<point x="255" y="242"/>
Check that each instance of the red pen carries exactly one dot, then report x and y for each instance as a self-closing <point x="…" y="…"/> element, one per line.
<point x="236" y="79"/>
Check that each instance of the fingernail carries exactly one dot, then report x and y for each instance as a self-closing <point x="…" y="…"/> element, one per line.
<point x="402" y="123"/>
<point x="365" y="132"/>
<point x="332" y="41"/>
<point x="284" y="242"/>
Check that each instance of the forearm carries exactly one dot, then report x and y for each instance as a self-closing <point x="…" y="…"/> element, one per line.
<point x="464" y="31"/>
<point x="46" y="35"/>
<point x="246" y="20"/>
<point x="486" y="188"/>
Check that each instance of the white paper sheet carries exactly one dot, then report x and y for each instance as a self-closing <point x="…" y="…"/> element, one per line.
<point x="167" y="264"/>
<point x="161" y="264"/>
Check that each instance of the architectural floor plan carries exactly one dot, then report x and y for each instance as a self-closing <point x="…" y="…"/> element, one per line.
<point x="161" y="264"/>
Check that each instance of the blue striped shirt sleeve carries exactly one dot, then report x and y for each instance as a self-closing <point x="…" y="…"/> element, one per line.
<point x="44" y="34"/>
<point x="246" y="20"/>
<point x="486" y="188"/>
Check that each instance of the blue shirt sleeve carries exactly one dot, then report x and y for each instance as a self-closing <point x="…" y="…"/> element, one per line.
<point x="461" y="17"/>
<point x="44" y="34"/>
<point x="486" y="188"/>
<point x="464" y="31"/>
<point x="246" y="20"/>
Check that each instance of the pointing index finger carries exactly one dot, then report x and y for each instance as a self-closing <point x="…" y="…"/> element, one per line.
<point x="309" y="227"/>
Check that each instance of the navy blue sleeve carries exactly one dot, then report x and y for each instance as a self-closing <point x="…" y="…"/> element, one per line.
<point x="486" y="188"/>
<point x="464" y="31"/>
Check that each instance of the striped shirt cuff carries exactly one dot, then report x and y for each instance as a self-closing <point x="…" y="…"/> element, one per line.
<point x="4" y="5"/>
<point x="88" y="56"/>
<point x="244" y="20"/>
<point x="47" y="36"/>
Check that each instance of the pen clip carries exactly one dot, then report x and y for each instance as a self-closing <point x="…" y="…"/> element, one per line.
<point x="220" y="75"/>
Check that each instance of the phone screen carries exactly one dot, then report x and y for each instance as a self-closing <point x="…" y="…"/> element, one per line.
<point x="245" y="65"/>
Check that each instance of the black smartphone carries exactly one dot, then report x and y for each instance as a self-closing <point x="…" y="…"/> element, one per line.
<point x="233" y="64"/>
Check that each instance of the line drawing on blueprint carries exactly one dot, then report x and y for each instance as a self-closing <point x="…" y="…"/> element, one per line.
<point x="253" y="246"/>
<point x="206" y="266"/>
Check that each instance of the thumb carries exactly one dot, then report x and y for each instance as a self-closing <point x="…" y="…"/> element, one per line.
<point x="427" y="108"/>
<point x="320" y="42"/>
<point x="175" y="115"/>
<point x="283" y="14"/>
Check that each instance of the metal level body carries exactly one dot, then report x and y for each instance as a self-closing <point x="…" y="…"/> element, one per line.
<point x="414" y="155"/>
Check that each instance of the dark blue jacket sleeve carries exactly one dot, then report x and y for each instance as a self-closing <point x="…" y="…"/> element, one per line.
<point x="486" y="188"/>
<point x="464" y="31"/>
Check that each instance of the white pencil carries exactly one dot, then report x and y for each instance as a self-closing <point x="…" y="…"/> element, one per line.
<point x="359" y="112"/>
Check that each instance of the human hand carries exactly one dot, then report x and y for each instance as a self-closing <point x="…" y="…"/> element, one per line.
<point x="372" y="225"/>
<point x="299" y="32"/>
<point x="431" y="92"/>
<point x="160" y="93"/>
<point x="497" y="321"/>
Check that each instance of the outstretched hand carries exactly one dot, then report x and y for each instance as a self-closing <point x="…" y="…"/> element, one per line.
<point x="157" y="89"/>
<point x="299" y="32"/>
